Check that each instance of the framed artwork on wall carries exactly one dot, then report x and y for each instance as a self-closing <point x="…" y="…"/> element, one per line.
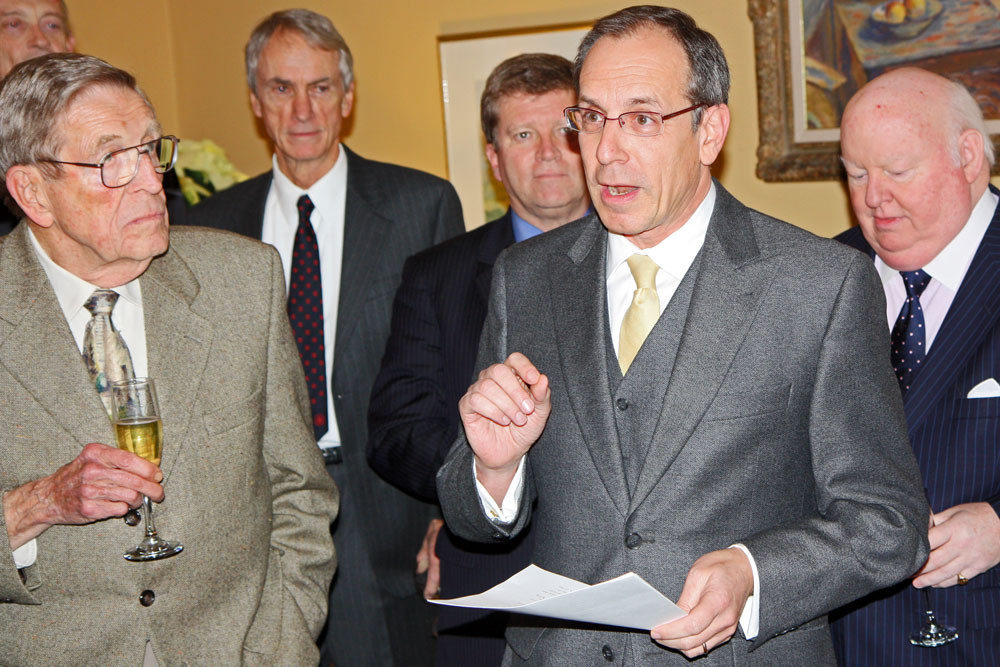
<point x="813" y="55"/>
<point x="466" y="62"/>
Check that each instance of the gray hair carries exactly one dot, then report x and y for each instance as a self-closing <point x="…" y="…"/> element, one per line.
<point x="708" y="79"/>
<point x="315" y="28"/>
<point x="965" y="114"/>
<point x="35" y="95"/>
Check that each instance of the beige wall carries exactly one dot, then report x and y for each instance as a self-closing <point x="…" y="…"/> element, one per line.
<point x="188" y="56"/>
<point x="136" y="36"/>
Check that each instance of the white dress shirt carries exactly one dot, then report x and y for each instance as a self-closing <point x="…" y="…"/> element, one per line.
<point x="72" y="292"/>
<point x="281" y="220"/>
<point x="674" y="255"/>
<point x="947" y="270"/>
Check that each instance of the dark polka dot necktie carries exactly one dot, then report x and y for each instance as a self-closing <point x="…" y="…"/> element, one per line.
<point x="305" y="311"/>
<point x="909" y="334"/>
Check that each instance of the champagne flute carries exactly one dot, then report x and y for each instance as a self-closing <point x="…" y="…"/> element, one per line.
<point x="932" y="633"/>
<point x="139" y="429"/>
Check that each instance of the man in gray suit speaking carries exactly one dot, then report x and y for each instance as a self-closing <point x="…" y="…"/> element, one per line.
<point x="241" y="484"/>
<point x="685" y="388"/>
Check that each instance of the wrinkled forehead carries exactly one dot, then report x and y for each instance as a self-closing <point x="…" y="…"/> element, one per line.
<point x="103" y="114"/>
<point x="647" y="65"/>
<point x="32" y="8"/>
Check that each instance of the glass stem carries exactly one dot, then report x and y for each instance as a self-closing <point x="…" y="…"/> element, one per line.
<point x="147" y="506"/>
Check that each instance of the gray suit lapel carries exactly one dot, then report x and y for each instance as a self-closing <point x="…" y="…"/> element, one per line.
<point x="178" y="340"/>
<point x="579" y="313"/>
<point x="727" y="292"/>
<point x="31" y="321"/>
<point x="364" y="233"/>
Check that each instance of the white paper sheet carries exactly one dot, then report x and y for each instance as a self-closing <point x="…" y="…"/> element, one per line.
<point x="626" y="601"/>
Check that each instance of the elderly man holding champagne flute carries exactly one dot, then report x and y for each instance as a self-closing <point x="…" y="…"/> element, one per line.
<point x="95" y="291"/>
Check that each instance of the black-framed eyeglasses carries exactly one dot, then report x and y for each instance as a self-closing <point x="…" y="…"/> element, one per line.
<point x="639" y="123"/>
<point x="119" y="167"/>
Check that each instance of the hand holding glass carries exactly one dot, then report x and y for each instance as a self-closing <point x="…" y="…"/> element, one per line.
<point x="139" y="429"/>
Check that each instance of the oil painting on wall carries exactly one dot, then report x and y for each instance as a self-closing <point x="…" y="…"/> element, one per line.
<point x="813" y="55"/>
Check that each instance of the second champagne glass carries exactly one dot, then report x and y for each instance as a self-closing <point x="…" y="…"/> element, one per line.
<point x="139" y="429"/>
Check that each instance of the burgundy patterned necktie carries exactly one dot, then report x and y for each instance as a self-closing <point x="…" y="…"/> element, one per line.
<point x="909" y="334"/>
<point x="305" y="311"/>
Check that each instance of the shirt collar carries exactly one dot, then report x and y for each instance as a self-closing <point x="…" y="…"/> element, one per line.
<point x="950" y="265"/>
<point x="322" y="192"/>
<point x="73" y="291"/>
<point x="673" y="254"/>
<point x="523" y="229"/>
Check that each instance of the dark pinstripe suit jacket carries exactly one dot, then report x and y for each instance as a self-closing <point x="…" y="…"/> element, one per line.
<point x="957" y="444"/>
<point x="376" y="615"/>
<point x="413" y="417"/>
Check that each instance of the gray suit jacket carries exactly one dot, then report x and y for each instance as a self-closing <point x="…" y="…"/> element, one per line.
<point x="246" y="492"/>
<point x="377" y="616"/>
<point x="781" y="429"/>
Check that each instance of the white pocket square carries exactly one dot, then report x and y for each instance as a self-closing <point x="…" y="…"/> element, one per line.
<point x="985" y="389"/>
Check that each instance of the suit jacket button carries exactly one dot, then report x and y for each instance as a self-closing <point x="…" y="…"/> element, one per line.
<point x="622" y="404"/>
<point x="633" y="541"/>
<point x="147" y="598"/>
<point x="132" y="517"/>
<point x="608" y="654"/>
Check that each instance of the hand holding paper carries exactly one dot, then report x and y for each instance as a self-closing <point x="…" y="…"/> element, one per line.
<point x="626" y="601"/>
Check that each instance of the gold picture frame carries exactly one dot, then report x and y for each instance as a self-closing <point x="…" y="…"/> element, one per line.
<point x="790" y="149"/>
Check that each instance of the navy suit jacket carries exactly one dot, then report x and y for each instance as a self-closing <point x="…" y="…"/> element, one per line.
<point x="413" y="418"/>
<point x="377" y="615"/>
<point x="957" y="444"/>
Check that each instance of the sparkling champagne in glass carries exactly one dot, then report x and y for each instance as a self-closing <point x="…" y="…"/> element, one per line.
<point x="139" y="429"/>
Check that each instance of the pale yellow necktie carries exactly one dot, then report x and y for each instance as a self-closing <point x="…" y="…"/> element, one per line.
<point x="641" y="316"/>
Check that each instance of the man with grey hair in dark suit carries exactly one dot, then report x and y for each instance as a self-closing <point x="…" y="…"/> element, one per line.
<point x="343" y="226"/>
<point x="94" y="285"/>
<point x="685" y="388"/>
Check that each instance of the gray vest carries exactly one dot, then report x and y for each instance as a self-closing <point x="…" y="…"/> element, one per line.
<point x="638" y="396"/>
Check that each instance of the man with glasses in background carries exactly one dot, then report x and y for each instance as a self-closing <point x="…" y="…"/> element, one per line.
<point x="94" y="285"/>
<point x="343" y="226"/>
<point x="684" y="388"/>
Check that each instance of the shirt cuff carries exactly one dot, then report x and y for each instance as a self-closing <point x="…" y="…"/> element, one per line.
<point x="26" y="554"/>
<point x="750" y="616"/>
<point x="507" y="511"/>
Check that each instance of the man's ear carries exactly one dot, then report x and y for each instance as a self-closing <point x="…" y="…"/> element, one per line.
<point x="712" y="132"/>
<point x="347" y="103"/>
<point x="971" y="154"/>
<point x="258" y="108"/>
<point x="26" y="185"/>
<point x="494" y="160"/>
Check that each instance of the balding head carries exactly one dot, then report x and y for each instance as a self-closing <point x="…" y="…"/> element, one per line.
<point x="918" y="159"/>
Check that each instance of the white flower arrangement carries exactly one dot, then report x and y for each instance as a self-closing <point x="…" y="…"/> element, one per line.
<point x="203" y="169"/>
